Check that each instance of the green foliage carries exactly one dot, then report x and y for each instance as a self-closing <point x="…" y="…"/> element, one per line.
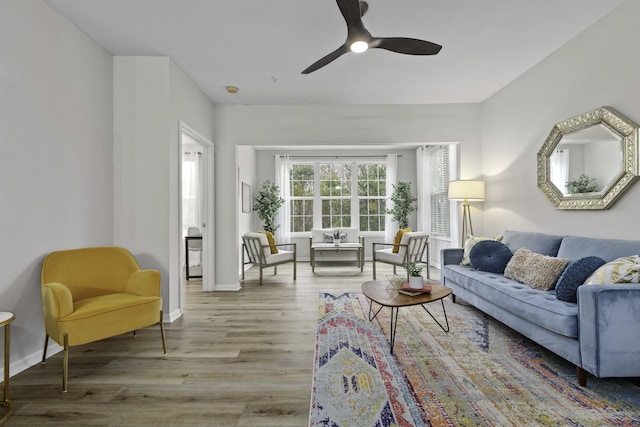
<point x="267" y="203"/>
<point x="584" y="184"/>
<point x="413" y="269"/>
<point x="404" y="203"/>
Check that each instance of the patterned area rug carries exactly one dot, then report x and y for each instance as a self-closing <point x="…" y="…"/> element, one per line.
<point x="356" y="382"/>
<point x="479" y="374"/>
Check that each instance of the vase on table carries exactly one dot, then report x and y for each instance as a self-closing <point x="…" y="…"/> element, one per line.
<point x="416" y="282"/>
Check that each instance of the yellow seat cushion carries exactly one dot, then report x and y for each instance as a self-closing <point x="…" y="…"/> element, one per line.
<point x="105" y="316"/>
<point x="398" y="239"/>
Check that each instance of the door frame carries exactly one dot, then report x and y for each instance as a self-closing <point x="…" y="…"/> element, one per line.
<point x="208" y="208"/>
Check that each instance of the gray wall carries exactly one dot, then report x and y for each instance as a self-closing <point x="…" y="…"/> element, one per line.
<point x="599" y="67"/>
<point x="56" y="168"/>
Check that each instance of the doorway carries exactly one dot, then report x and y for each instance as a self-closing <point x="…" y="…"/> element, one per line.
<point x="196" y="208"/>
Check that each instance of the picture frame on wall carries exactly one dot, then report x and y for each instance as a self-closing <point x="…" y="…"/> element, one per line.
<point x="246" y="198"/>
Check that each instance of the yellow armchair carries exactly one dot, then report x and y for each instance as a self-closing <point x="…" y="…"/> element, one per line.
<point x="90" y="294"/>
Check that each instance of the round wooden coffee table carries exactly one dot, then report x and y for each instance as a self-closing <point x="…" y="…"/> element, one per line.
<point x="384" y="294"/>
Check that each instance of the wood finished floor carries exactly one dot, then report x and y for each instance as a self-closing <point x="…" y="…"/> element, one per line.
<point x="234" y="359"/>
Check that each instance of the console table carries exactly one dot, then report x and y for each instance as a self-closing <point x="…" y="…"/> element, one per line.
<point x="324" y="247"/>
<point x="5" y="320"/>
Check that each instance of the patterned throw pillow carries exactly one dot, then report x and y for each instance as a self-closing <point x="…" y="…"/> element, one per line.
<point x="575" y="275"/>
<point x="327" y="237"/>
<point x="470" y="242"/>
<point x="621" y="270"/>
<point x="541" y="272"/>
<point x="398" y="239"/>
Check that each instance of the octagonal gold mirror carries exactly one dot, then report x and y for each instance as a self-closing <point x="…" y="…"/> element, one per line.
<point x="589" y="161"/>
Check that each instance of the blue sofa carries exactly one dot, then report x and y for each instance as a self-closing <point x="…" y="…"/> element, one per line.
<point x="600" y="333"/>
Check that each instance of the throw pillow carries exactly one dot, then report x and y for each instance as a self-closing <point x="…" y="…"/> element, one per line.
<point x="576" y="273"/>
<point x="621" y="270"/>
<point x="327" y="237"/>
<point x="470" y="243"/>
<point x="541" y="272"/>
<point x="271" y="240"/>
<point x="398" y="239"/>
<point x="490" y="256"/>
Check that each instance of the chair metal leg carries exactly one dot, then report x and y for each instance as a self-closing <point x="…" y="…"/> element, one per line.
<point x="294" y="269"/>
<point x="46" y="344"/>
<point x="374" y="267"/>
<point x="164" y="342"/>
<point x="261" y="275"/>
<point x="65" y="363"/>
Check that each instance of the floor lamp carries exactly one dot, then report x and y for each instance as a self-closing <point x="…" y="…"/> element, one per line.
<point x="467" y="191"/>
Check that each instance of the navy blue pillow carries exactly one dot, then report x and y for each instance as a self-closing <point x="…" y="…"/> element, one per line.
<point x="490" y="256"/>
<point x="576" y="273"/>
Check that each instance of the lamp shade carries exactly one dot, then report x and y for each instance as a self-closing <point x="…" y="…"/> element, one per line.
<point x="466" y="190"/>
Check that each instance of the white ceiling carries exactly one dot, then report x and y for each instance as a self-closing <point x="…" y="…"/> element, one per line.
<point x="261" y="46"/>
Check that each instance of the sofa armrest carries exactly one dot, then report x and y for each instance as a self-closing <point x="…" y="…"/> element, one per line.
<point x="451" y="256"/>
<point x="608" y="316"/>
<point x="57" y="301"/>
<point x="144" y="283"/>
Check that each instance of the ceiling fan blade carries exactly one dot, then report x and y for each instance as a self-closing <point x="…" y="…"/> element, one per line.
<point x="326" y="59"/>
<point x="350" y="10"/>
<point x="364" y="7"/>
<point x="406" y="45"/>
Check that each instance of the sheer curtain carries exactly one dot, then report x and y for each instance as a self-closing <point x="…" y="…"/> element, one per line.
<point x="283" y="233"/>
<point x="559" y="169"/>
<point x="192" y="196"/>
<point x="423" y="189"/>
<point x="191" y="190"/>
<point x="390" y="227"/>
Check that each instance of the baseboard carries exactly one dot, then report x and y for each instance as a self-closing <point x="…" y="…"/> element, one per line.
<point x="24" y="363"/>
<point x="172" y="317"/>
<point x="228" y="287"/>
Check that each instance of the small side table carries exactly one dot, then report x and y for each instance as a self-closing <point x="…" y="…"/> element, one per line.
<point x="5" y="319"/>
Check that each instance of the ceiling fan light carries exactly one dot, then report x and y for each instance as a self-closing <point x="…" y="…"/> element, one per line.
<point x="359" y="46"/>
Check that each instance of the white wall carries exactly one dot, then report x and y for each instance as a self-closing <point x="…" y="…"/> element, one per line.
<point x="330" y="125"/>
<point x="151" y="95"/>
<point x="599" y="67"/>
<point x="56" y="169"/>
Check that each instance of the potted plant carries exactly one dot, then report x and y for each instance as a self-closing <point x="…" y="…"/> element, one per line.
<point x="416" y="281"/>
<point x="267" y="203"/>
<point x="583" y="184"/>
<point x="404" y="203"/>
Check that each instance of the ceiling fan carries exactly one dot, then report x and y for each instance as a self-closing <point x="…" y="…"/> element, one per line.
<point x="359" y="39"/>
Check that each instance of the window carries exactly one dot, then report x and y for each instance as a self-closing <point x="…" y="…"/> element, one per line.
<point x="439" y="170"/>
<point x="372" y="187"/>
<point x="302" y="191"/>
<point x="337" y="194"/>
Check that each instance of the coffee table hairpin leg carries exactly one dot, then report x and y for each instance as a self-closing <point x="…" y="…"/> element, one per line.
<point x="394" y="320"/>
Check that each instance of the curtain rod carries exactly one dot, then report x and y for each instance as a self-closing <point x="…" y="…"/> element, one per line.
<point x="382" y="156"/>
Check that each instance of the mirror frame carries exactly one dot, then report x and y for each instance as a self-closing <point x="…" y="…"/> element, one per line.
<point x="626" y="129"/>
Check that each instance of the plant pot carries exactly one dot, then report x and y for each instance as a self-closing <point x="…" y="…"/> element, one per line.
<point x="416" y="282"/>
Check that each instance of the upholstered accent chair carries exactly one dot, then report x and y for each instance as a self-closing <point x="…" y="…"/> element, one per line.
<point x="264" y="254"/>
<point x="411" y="248"/>
<point x="90" y="294"/>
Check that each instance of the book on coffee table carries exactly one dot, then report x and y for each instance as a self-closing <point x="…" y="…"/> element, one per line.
<point x="406" y="290"/>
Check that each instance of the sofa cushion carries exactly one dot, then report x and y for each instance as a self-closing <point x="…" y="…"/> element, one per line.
<point x="545" y="244"/>
<point x="539" y="307"/>
<point x="470" y="243"/>
<point x="490" y="255"/>
<point x="541" y="272"/>
<point x="621" y="270"/>
<point x="576" y="273"/>
<point x="573" y="247"/>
